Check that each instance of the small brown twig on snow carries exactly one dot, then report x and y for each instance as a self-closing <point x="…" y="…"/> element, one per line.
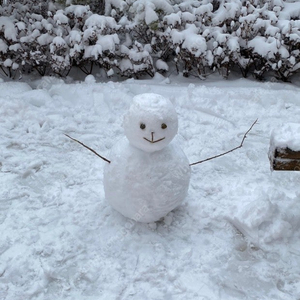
<point x="216" y="156"/>
<point x="82" y="144"/>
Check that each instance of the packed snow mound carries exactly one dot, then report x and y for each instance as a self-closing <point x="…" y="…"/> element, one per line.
<point x="262" y="222"/>
<point x="286" y="136"/>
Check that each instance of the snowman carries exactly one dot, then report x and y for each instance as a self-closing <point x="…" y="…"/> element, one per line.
<point x="148" y="175"/>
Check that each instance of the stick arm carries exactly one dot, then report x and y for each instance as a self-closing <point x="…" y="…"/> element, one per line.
<point x="216" y="156"/>
<point x="82" y="144"/>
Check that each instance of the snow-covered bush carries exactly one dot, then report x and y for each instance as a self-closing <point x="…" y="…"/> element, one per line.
<point x="135" y="61"/>
<point x="99" y="43"/>
<point x="132" y="38"/>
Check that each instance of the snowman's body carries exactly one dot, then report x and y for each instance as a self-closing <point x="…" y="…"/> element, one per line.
<point x="148" y="175"/>
<point x="146" y="186"/>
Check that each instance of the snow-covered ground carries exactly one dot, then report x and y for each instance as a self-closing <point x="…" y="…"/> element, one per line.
<point x="235" y="237"/>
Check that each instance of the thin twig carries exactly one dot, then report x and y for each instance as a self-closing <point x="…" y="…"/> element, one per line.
<point x="82" y="144"/>
<point x="240" y="146"/>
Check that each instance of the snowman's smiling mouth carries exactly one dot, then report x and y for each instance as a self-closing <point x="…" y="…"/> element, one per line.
<point x="152" y="142"/>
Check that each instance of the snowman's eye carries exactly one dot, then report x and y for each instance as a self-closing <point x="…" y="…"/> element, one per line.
<point x="142" y="126"/>
<point x="163" y="126"/>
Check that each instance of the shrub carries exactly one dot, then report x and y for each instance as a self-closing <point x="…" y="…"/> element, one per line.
<point x="136" y="38"/>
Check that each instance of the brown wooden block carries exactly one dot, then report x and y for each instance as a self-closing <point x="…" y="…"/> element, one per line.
<point x="285" y="164"/>
<point x="284" y="151"/>
<point x="287" y="153"/>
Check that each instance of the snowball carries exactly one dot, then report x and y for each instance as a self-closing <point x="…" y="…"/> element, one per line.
<point x="152" y="112"/>
<point x="148" y="175"/>
<point x="90" y="79"/>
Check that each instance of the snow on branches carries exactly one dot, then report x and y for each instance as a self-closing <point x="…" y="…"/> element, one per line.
<point x="136" y="38"/>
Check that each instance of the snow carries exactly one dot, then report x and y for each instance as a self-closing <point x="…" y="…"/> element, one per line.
<point x="161" y="65"/>
<point x="21" y="25"/>
<point x="110" y="72"/>
<point x="7" y="63"/>
<point x="109" y="4"/>
<point x="173" y="19"/>
<point x="79" y="11"/>
<point x="290" y="11"/>
<point x="101" y="23"/>
<point x="90" y="79"/>
<point x="195" y="43"/>
<point x="145" y="10"/>
<point x="10" y="31"/>
<point x="188" y="17"/>
<point x="286" y="136"/>
<point x="205" y="9"/>
<point x="60" y="18"/>
<point x="93" y="51"/>
<point x="236" y="235"/>
<point x="3" y="46"/>
<point x="74" y="37"/>
<point x="45" y="39"/>
<point x="227" y="11"/>
<point x="108" y="42"/>
<point x="57" y="43"/>
<point x="268" y="47"/>
<point x="150" y="14"/>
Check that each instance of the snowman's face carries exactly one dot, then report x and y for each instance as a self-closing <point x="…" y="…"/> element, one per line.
<point x="151" y="122"/>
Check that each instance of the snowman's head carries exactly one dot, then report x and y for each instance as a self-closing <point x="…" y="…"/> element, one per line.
<point x="151" y="122"/>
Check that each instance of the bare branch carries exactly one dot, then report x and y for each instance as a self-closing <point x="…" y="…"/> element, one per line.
<point x="82" y="144"/>
<point x="240" y="146"/>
